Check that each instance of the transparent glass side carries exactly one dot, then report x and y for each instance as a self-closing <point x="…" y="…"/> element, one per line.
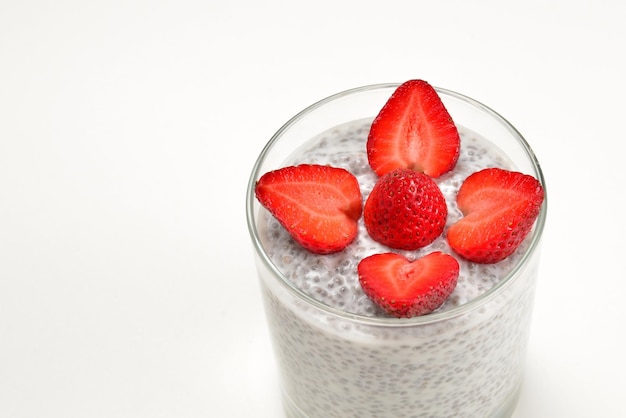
<point x="333" y="366"/>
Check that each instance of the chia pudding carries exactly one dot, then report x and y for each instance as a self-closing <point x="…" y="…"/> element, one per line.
<point x="342" y="356"/>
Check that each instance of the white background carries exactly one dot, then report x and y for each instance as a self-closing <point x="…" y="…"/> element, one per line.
<point x="127" y="134"/>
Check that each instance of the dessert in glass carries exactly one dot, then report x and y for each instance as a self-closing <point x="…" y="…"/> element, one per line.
<point x="344" y="347"/>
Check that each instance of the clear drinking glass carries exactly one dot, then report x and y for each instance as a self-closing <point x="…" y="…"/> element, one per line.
<point x="464" y="362"/>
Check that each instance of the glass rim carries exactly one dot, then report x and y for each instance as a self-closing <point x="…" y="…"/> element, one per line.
<point x="431" y="318"/>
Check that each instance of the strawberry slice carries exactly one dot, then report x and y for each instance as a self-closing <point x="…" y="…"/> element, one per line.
<point x="499" y="209"/>
<point x="413" y="130"/>
<point x="404" y="288"/>
<point x="318" y="205"/>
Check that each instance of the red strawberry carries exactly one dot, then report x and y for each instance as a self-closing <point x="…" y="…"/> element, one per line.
<point x="318" y="205"/>
<point x="404" y="288"/>
<point x="499" y="209"/>
<point x="413" y="130"/>
<point x="405" y="210"/>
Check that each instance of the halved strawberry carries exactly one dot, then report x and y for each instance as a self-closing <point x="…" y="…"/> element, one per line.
<point x="405" y="210"/>
<point x="318" y="205"/>
<point x="499" y="208"/>
<point x="404" y="288"/>
<point x="413" y="130"/>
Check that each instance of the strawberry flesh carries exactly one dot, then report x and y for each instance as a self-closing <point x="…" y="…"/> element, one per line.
<point x="413" y="130"/>
<point x="405" y="289"/>
<point x="499" y="209"/>
<point x="318" y="205"/>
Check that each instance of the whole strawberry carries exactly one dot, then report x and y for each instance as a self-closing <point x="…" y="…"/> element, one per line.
<point x="405" y="210"/>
